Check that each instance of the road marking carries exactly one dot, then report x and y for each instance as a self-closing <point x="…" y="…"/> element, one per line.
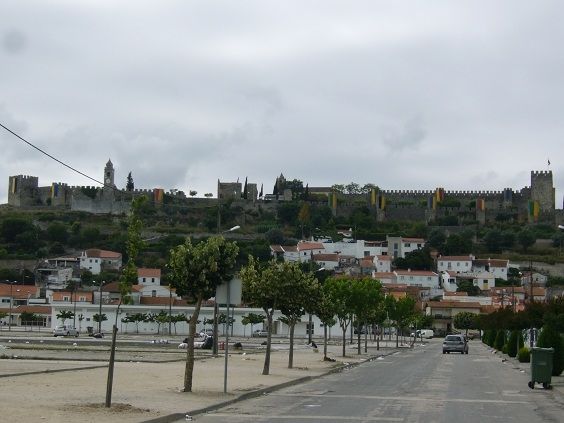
<point x="303" y="417"/>
<point x="407" y="399"/>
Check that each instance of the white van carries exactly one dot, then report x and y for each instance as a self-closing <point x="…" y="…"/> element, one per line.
<point x="424" y="333"/>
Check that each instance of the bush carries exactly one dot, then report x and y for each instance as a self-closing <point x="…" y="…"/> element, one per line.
<point x="515" y="338"/>
<point x="550" y="338"/>
<point x="504" y="349"/>
<point x="499" y="340"/>
<point x="524" y="355"/>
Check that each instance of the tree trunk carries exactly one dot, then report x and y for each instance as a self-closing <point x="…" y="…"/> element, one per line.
<point x="397" y="337"/>
<point x="266" y="368"/>
<point x="189" y="369"/>
<point x="291" y="354"/>
<point x="358" y="330"/>
<point x="344" y="340"/>
<point x="324" y="341"/>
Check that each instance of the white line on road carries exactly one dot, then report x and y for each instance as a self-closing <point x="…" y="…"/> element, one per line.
<point x="319" y="418"/>
<point x="408" y="399"/>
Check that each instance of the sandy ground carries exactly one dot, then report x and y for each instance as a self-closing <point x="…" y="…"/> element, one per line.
<point x="145" y="390"/>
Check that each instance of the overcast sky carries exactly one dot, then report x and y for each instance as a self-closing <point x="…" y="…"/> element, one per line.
<point x="405" y="95"/>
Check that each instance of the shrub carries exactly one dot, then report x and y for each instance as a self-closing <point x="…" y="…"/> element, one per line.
<point x="524" y="355"/>
<point x="499" y="340"/>
<point x="550" y="338"/>
<point x="504" y="349"/>
<point x="514" y="343"/>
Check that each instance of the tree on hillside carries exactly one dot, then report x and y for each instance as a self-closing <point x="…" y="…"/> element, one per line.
<point x="415" y="260"/>
<point x="526" y="239"/>
<point x="129" y="186"/>
<point x="196" y="270"/>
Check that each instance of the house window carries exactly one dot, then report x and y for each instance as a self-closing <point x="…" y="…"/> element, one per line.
<point x="466" y="264"/>
<point x="428" y="278"/>
<point x="66" y="298"/>
<point x="486" y="285"/>
<point x="366" y="253"/>
<point x="457" y="264"/>
<point x="449" y="266"/>
<point x="407" y="244"/>
<point x="153" y="293"/>
<point x="143" y="279"/>
<point x="152" y="279"/>
<point x="82" y="299"/>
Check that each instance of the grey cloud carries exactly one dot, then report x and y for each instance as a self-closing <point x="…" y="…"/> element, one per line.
<point x="14" y="42"/>
<point x="405" y="135"/>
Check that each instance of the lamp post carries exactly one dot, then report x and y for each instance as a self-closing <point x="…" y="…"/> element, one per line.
<point x="74" y="306"/>
<point x="11" y="301"/>
<point x="100" y="310"/>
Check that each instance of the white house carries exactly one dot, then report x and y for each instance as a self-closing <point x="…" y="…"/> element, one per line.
<point x="458" y="264"/>
<point x="423" y="278"/>
<point x="383" y="263"/>
<point x="306" y="250"/>
<point x="149" y="283"/>
<point x="358" y="249"/>
<point x="385" y="277"/>
<point x="95" y="260"/>
<point x="327" y="261"/>
<point x="499" y="268"/>
<point x="399" y="246"/>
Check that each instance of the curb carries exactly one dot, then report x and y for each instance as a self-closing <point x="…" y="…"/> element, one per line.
<point x="170" y="418"/>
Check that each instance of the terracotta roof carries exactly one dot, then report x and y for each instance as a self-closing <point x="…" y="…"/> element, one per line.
<point x="326" y="257"/>
<point x="145" y="272"/>
<point x="387" y="275"/>
<point x="59" y="295"/>
<point x="32" y="309"/>
<point x="290" y="248"/>
<point x="366" y="263"/>
<point x="492" y="262"/>
<point x="103" y="254"/>
<point x="453" y="304"/>
<point x="277" y="248"/>
<point x="310" y="246"/>
<point x="114" y="287"/>
<point x="383" y="258"/>
<point x="404" y="272"/>
<point x="18" y="291"/>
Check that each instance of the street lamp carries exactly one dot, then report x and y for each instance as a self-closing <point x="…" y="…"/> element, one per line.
<point x="216" y="306"/>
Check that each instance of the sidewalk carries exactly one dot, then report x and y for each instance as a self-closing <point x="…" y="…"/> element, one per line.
<point x="152" y="392"/>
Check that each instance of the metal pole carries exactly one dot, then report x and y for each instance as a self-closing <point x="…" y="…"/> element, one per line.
<point x="169" y="309"/>
<point x="100" y="310"/>
<point x="226" y="339"/>
<point x="11" y="301"/>
<point x="74" y="309"/>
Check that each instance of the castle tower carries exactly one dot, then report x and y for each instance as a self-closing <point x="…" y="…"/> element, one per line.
<point x="109" y="175"/>
<point x="542" y="191"/>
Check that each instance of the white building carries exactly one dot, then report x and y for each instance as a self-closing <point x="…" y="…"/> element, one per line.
<point x="422" y="278"/>
<point x="458" y="264"/>
<point x="499" y="268"/>
<point x="95" y="260"/>
<point x="399" y="246"/>
<point x="383" y="263"/>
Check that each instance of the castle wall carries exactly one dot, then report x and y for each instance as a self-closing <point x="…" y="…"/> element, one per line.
<point x="542" y="190"/>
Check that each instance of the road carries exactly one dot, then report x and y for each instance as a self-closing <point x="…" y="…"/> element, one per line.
<point x="417" y="385"/>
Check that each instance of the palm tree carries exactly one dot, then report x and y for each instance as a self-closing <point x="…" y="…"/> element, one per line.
<point x="64" y="315"/>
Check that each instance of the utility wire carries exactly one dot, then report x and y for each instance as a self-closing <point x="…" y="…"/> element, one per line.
<point x="50" y="156"/>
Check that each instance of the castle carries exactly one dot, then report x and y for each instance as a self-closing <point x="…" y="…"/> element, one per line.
<point x="535" y="203"/>
<point x="25" y="192"/>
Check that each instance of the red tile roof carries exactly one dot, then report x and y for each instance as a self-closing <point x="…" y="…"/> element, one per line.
<point x="384" y="258"/>
<point x="326" y="257"/>
<point x="18" y="291"/>
<point x="310" y="246"/>
<point x="453" y="304"/>
<point x="404" y="272"/>
<point x="144" y="272"/>
<point x="32" y="309"/>
<point x="455" y="258"/>
<point x="103" y="254"/>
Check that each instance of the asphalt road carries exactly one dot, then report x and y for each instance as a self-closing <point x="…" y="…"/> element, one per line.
<point x="417" y="385"/>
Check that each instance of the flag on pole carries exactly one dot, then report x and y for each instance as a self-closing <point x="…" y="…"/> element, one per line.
<point x="549" y="162"/>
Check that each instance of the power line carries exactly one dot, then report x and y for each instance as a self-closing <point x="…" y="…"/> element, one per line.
<point x="50" y="156"/>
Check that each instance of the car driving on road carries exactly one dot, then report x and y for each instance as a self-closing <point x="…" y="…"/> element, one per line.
<point x="455" y="343"/>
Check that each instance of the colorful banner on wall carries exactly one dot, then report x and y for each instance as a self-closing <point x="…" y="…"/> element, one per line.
<point x="439" y="194"/>
<point x="373" y="197"/>
<point x="534" y="209"/>
<point x="381" y="201"/>
<point x="54" y="190"/>
<point x="158" y="195"/>
<point x="480" y="204"/>
<point x="13" y="185"/>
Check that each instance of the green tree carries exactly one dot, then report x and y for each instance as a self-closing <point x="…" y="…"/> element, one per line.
<point x="129" y="185"/>
<point x="325" y="310"/>
<point x="252" y="319"/>
<point x="437" y="239"/>
<point x="551" y="338"/>
<point x="27" y="318"/>
<point x="526" y="239"/>
<point x="196" y="270"/>
<point x="468" y="287"/>
<point x="415" y="260"/>
<point x="267" y="286"/>
<point x="302" y="289"/>
<point x="465" y="320"/>
<point x="339" y="292"/>
<point x="99" y="318"/>
<point x="515" y="343"/>
<point x="493" y="241"/>
<point x="402" y="313"/>
<point x="57" y="232"/>
<point x="65" y="315"/>
<point x="366" y="297"/>
<point x="499" y="340"/>
<point x="128" y="277"/>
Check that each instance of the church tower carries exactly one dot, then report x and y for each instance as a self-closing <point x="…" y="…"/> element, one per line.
<point x="109" y="175"/>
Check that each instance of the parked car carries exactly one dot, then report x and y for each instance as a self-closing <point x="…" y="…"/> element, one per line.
<point x="65" y="330"/>
<point x="455" y="343"/>
<point x="260" y="333"/>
